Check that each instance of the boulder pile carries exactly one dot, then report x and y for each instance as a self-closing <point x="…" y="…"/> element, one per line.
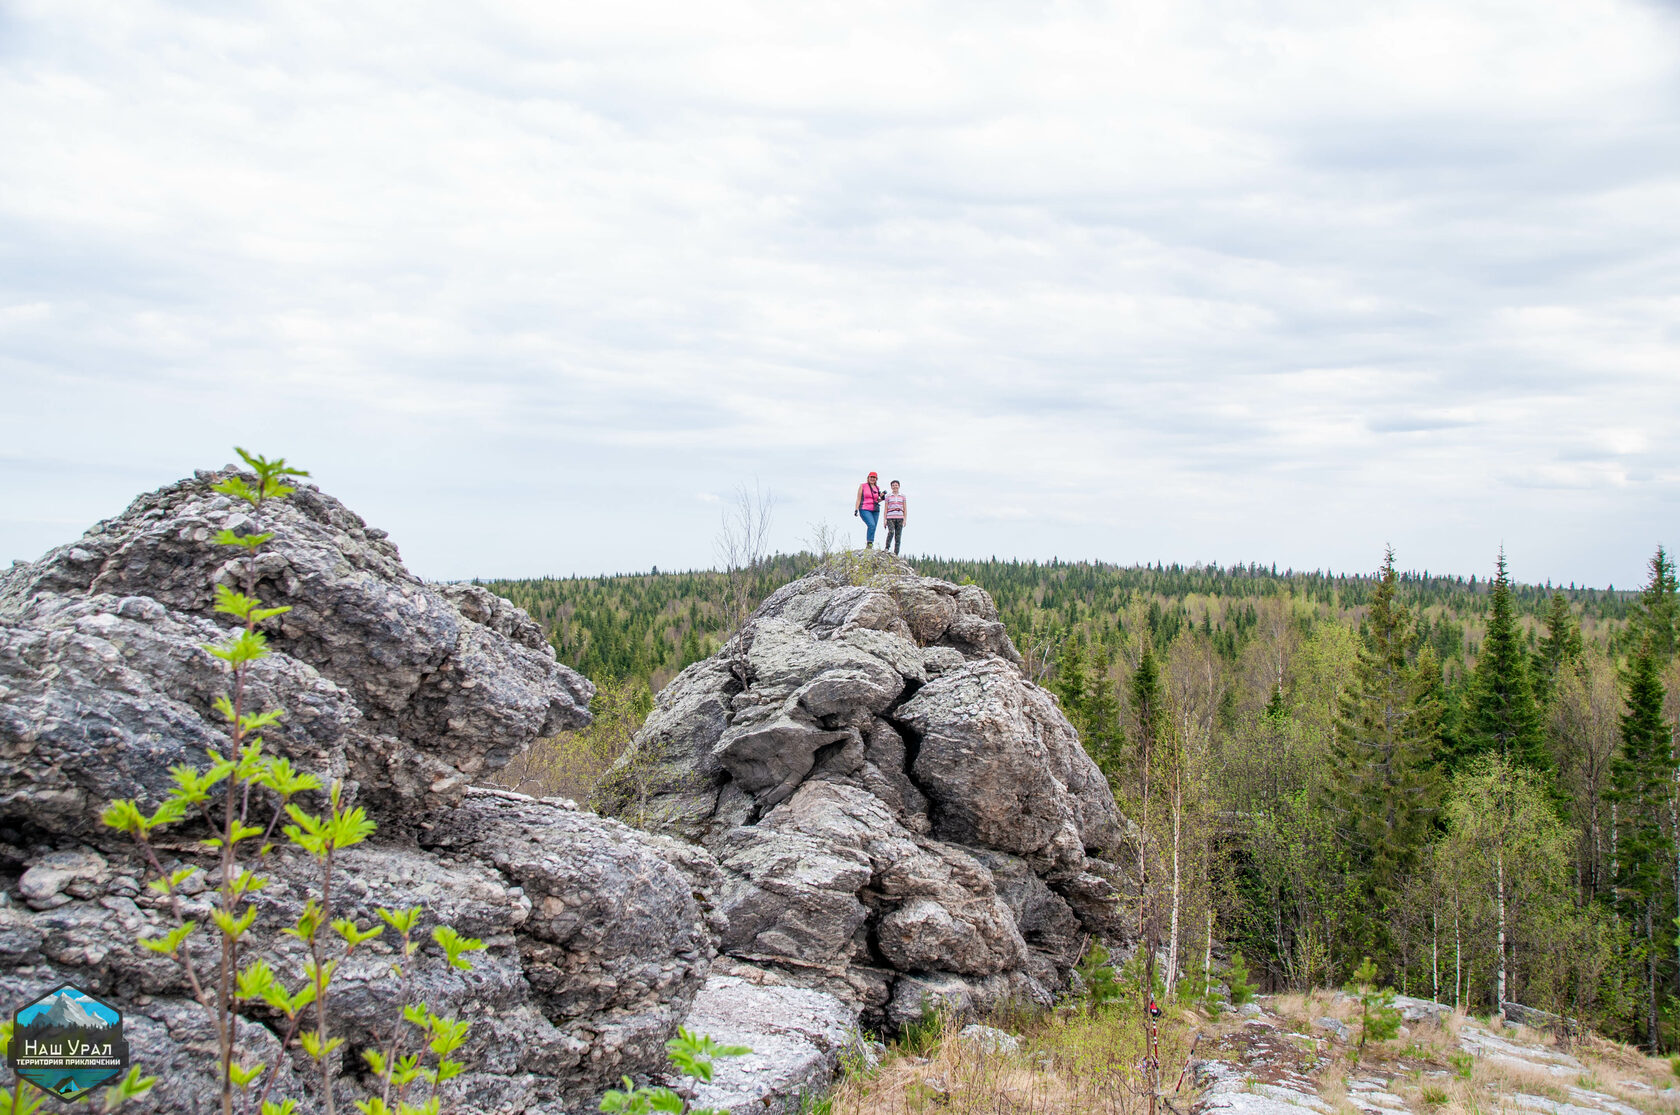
<point x="900" y="817"/>
<point x="599" y="936"/>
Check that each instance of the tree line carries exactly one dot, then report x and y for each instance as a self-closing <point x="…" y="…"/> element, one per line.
<point x="1469" y="781"/>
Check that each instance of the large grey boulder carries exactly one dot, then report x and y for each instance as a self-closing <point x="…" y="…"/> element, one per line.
<point x="899" y="815"/>
<point x="599" y="936"/>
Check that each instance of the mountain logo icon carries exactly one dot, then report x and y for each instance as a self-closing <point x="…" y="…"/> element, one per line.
<point x="67" y="1042"/>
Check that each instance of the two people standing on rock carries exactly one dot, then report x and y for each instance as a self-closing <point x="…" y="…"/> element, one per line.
<point x="869" y="506"/>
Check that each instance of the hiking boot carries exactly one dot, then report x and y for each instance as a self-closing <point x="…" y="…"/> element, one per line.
<point x="869" y="544"/>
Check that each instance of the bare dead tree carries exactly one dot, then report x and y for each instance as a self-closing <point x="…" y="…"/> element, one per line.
<point x="743" y="544"/>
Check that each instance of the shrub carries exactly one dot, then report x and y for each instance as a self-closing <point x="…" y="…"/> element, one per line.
<point x="692" y="1055"/>
<point x="572" y="764"/>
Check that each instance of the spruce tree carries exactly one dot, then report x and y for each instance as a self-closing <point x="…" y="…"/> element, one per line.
<point x="1383" y="787"/>
<point x="1560" y="646"/>
<point x="1501" y="717"/>
<point x="1103" y="737"/>
<point x="1657" y="614"/>
<point x="1072" y="681"/>
<point x="1639" y="785"/>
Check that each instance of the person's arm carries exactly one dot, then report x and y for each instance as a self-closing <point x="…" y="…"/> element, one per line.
<point x="906" y="519"/>
<point x="857" y="504"/>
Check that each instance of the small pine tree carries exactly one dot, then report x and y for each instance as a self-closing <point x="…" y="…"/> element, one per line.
<point x="1378" y="1020"/>
<point x="1236" y="981"/>
<point x="1096" y="970"/>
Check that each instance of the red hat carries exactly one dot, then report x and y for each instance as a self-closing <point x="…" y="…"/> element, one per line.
<point x="874" y="474"/>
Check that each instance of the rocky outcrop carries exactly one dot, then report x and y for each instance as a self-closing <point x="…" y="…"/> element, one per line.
<point x="899" y="815"/>
<point x="598" y="936"/>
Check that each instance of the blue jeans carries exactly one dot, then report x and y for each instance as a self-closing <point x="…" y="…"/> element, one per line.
<point x="870" y="518"/>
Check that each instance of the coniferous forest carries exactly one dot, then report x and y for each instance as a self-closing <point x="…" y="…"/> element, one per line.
<point x="1470" y="781"/>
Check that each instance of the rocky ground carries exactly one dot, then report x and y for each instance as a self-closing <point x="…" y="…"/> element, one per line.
<point x="1290" y="1055"/>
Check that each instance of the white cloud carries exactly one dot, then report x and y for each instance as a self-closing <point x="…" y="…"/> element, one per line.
<point x="1163" y="281"/>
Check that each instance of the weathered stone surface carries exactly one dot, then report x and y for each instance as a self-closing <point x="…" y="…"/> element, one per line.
<point x="796" y="1037"/>
<point x="598" y="935"/>
<point x="897" y="812"/>
<point x="404" y="688"/>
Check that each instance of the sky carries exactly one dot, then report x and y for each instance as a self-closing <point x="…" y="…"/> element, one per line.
<point x="537" y="288"/>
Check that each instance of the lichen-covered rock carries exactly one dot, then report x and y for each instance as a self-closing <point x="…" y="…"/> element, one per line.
<point x="897" y="812"/>
<point x="598" y="936"/>
<point x="404" y="688"/>
<point x="796" y="1037"/>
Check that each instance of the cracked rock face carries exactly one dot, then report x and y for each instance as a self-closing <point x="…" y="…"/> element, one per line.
<point x="598" y="935"/>
<point x="897" y="813"/>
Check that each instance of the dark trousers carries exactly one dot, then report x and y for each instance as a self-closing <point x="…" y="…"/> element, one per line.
<point x="895" y="535"/>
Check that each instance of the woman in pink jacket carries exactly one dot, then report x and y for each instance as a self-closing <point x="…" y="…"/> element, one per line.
<point x="868" y="508"/>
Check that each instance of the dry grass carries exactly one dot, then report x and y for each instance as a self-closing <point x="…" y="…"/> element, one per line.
<point x="1068" y="1061"/>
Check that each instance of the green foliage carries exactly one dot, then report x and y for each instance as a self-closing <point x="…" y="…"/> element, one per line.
<point x="573" y="764"/>
<point x="1384" y="788"/>
<point x="1502" y="717"/>
<point x="1463" y="1064"/>
<point x="1271" y="683"/>
<point x="920" y="1036"/>
<point x="1378" y="1020"/>
<point x="1096" y="970"/>
<point x="241" y="798"/>
<point x="1236" y="981"/>
<point x="692" y="1056"/>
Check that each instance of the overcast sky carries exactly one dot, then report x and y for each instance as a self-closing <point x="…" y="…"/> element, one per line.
<point x="533" y="288"/>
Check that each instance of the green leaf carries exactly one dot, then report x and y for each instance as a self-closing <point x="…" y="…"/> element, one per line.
<point x="353" y="936"/>
<point x="406" y="1070"/>
<point x="236" y="487"/>
<point x="403" y="921"/>
<point x="124" y="816"/>
<point x="454" y="945"/>
<point x="230" y="602"/>
<point x="269" y="1107"/>
<point x="283" y="780"/>
<point x="242" y="1076"/>
<point x="447" y="1034"/>
<point x="375" y="1061"/>
<point x="350" y="828"/>
<point x="374" y="1106"/>
<point x="252" y="542"/>
<point x="170" y="943"/>
<point x="243" y="647"/>
<point x="131" y="1086"/>
<point x="171" y="882"/>
<point x="315" y="1047"/>
<point x="256" y="980"/>
<point x="234" y="927"/>
<point x="308" y="922"/>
